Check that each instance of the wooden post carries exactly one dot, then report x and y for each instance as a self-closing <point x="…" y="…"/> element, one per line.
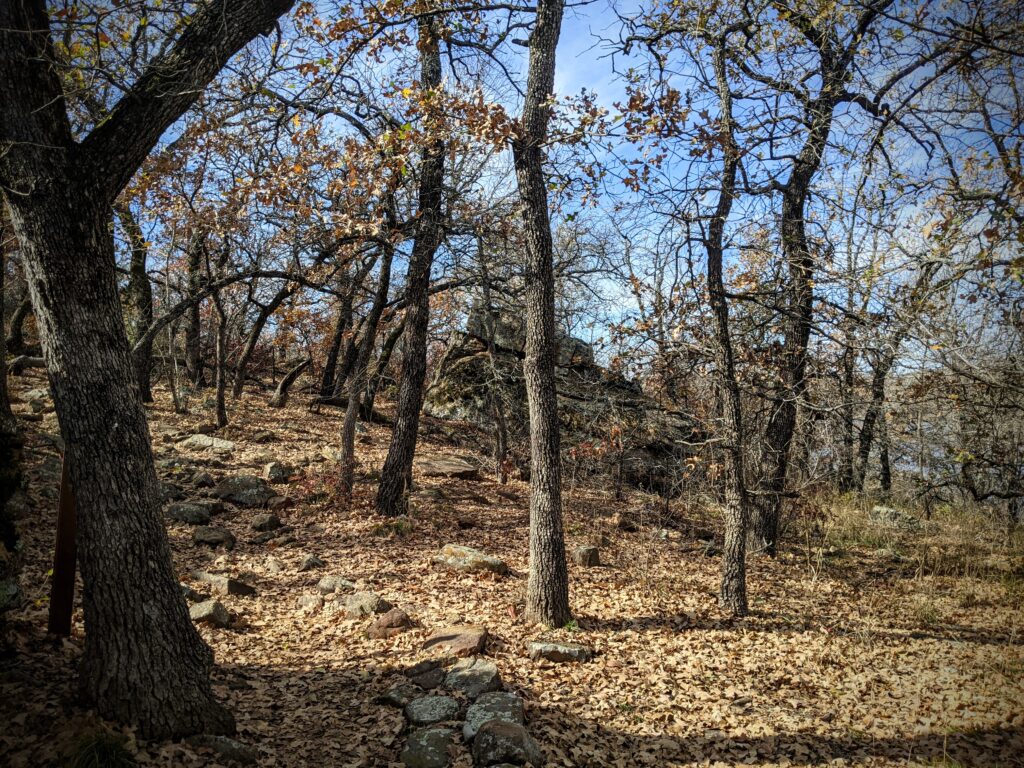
<point x="62" y="589"/>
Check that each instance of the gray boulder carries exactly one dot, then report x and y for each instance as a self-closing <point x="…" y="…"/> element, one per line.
<point x="207" y="443"/>
<point x="473" y="677"/>
<point x="469" y="560"/>
<point x="187" y="512"/>
<point x="427" y="710"/>
<point x="266" y="521"/>
<point x="331" y="584"/>
<point x="276" y="472"/>
<point x="427" y="748"/>
<point x="244" y="490"/>
<point x="224" y="585"/>
<point x="209" y="612"/>
<point x="493" y="705"/>
<point x="214" y="536"/>
<point x="361" y="604"/>
<point x="499" y="741"/>
<point x="560" y="652"/>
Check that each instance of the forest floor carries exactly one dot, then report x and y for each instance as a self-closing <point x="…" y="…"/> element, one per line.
<point x="866" y="646"/>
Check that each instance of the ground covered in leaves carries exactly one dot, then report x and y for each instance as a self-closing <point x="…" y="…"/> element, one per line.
<point x="866" y="646"/>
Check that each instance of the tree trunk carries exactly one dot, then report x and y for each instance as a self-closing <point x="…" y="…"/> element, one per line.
<point x="143" y="660"/>
<point x="357" y="379"/>
<point x="733" y="593"/>
<point x="341" y="326"/>
<point x="254" y="336"/>
<point x="494" y="393"/>
<point x="193" y="317"/>
<point x="11" y="441"/>
<point x="280" y="398"/>
<point x="381" y="366"/>
<point x="396" y="475"/>
<point x="220" y="362"/>
<point x="140" y="302"/>
<point x="547" y="590"/>
<point x="16" y="333"/>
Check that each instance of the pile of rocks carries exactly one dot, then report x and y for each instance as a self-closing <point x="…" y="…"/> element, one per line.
<point x="440" y="703"/>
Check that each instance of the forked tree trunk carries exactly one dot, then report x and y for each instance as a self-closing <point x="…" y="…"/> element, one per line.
<point x="254" y="337"/>
<point x="547" y="590"/>
<point x="357" y="379"/>
<point x="733" y="592"/>
<point x="143" y="660"/>
<point x="396" y="475"/>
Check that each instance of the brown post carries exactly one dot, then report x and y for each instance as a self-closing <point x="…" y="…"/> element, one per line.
<point x="62" y="590"/>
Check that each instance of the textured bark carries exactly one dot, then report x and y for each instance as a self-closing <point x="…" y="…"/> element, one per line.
<point x="496" y="402"/>
<point x="341" y="327"/>
<point x="733" y="593"/>
<point x="11" y="441"/>
<point x="143" y="661"/>
<point x="220" y="362"/>
<point x="16" y="333"/>
<point x="396" y="475"/>
<point x="280" y="398"/>
<point x="381" y="366"/>
<point x="254" y="337"/>
<point x="357" y="379"/>
<point x="547" y="590"/>
<point x="140" y="302"/>
<point x="193" y="317"/>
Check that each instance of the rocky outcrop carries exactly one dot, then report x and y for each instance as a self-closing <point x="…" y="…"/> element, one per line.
<point x="591" y="399"/>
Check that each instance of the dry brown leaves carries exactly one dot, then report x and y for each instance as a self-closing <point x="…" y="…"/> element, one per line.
<point x="856" y="664"/>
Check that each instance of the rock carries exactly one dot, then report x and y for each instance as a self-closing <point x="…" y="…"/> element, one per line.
<point x="560" y="652"/>
<point x="276" y="472"/>
<point x="428" y="710"/>
<point x="210" y="612"/>
<point x="311" y="602"/>
<point x="463" y="640"/>
<point x="244" y="490"/>
<point x="214" y="536"/>
<point x="186" y="512"/>
<point x="224" y="585"/>
<point x="469" y="560"/>
<point x="203" y="480"/>
<point x="430" y="679"/>
<point x="498" y="741"/>
<point x="193" y="596"/>
<point x="473" y="677"/>
<point x="266" y="521"/>
<point x="447" y="466"/>
<point x="277" y="503"/>
<point x="207" y="443"/>
<point x="389" y="624"/>
<point x="400" y="694"/>
<point x="280" y="533"/>
<point x="264" y="436"/>
<point x="588" y="557"/>
<point x="310" y="563"/>
<point x="427" y="748"/>
<point x="360" y="604"/>
<point x="493" y="705"/>
<point x="225" y="747"/>
<point x="894" y="518"/>
<point x="330" y="584"/>
<point x="171" y="492"/>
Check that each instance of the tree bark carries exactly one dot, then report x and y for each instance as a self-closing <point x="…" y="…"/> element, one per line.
<point x="193" y="317"/>
<point x="357" y="379"/>
<point x="280" y="398"/>
<point x="140" y="302"/>
<point x="143" y="660"/>
<point x="16" y="333"/>
<point x="733" y="592"/>
<point x="11" y="441"/>
<point x="254" y="336"/>
<point x="396" y="475"/>
<point x="381" y="366"/>
<point x="547" y="590"/>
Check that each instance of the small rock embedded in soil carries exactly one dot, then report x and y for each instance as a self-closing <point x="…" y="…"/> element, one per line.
<point x="185" y="512"/>
<point x="463" y="640"/>
<point x="315" y="602"/>
<point x="214" y="536"/>
<point x="210" y="612"/>
<point x="265" y="521"/>
<point x="493" y="705"/>
<point x="560" y="652"/>
<point x="224" y="585"/>
<point x="473" y="677"/>
<point x="310" y="562"/>
<point x="400" y="694"/>
<point x="428" y="710"/>
<point x="469" y="560"/>
<point x="276" y="472"/>
<point x="498" y="741"/>
<point x="427" y="748"/>
<point x="244" y="490"/>
<point x="360" y="604"/>
<point x="330" y="584"/>
<point x="392" y="623"/>
<point x="589" y="557"/>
